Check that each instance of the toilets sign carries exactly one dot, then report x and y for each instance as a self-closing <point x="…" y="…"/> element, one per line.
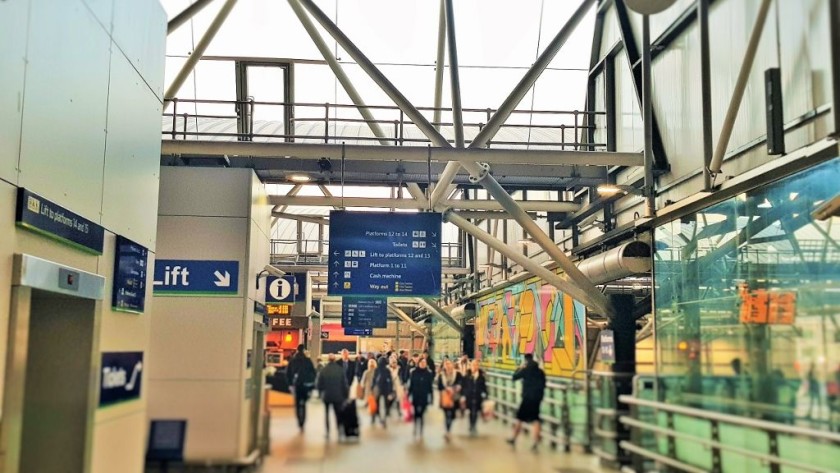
<point x="121" y="376"/>
<point x="196" y="278"/>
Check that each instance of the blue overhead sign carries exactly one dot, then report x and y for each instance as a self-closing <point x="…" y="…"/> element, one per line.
<point x="196" y="278"/>
<point x="363" y="332"/>
<point x="130" y="266"/>
<point x="384" y="254"/>
<point x="122" y="376"/>
<point x="364" y="312"/>
<point x="41" y="216"/>
<point x="280" y="290"/>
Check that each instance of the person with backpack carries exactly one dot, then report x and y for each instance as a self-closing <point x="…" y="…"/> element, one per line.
<point x="332" y="384"/>
<point x="533" y="389"/>
<point x="420" y="386"/>
<point x="300" y="374"/>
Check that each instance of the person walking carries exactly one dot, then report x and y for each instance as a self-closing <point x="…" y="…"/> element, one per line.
<point x="348" y="366"/>
<point x="449" y="385"/>
<point x="420" y="393"/>
<point x="403" y="361"/>
<point x="533" y="389"/>
<point x="383" y="383"/>
<point x="368" y="389"/>
<point x="474" y="391"/>
<point x="399" y="392"/>
<point x="332" y="384"/>
<point x="300" y="375"/>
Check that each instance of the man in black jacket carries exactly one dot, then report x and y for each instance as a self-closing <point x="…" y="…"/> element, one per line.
<point x="348" y="365"/>
<point x="533" y="389"/>
<point x="300" y="374"/>
<point x="402" y="361"/>
<point x="332" y="384"/>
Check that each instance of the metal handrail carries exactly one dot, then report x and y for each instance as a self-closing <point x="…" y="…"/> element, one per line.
<point x="721" y="446"/>
<point x="731" y="419"/>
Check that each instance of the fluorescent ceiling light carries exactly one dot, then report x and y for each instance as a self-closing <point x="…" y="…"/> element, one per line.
<point x="298" y="178"/>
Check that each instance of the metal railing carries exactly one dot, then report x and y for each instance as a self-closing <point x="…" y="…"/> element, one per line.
<point x="773" y="431"/>
<point x="556" y="123"/>
<point x="556" y="415"/>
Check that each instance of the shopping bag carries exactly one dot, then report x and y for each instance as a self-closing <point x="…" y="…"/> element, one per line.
<point x="373" y="408"/>
<point x="488" y="409"/>
<point x="360" y="391"/>
<point x="407" y="408"/>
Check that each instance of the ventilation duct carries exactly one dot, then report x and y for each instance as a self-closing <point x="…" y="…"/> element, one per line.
<point x="625" y="260"/>
<point x="464" y="312"/>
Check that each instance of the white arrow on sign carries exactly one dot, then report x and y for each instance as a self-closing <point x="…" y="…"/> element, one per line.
<point x="335" y="263"/>
<point x="335" y="253"/>
<point x="222" y="280"/>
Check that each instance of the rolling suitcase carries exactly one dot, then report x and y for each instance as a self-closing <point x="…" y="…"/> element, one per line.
<point x="350" y="420"/>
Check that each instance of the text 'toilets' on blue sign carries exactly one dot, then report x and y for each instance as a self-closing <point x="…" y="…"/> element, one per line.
<point x="384" y="254"/>
<point x="196" y="278"/>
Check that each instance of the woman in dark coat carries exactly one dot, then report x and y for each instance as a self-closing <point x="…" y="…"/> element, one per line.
<point x="383" y="385"/>
<point x="420" y="393"/>
<point x="474" y="390"/>
<point x="449" y="385"/>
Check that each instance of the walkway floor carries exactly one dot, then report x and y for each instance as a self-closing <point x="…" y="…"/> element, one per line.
<point x="393" y="450"/>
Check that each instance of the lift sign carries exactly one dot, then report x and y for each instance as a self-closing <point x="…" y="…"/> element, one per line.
<point x="121" y="376"/>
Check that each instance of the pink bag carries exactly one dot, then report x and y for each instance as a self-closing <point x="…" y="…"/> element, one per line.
<point x="408" y="410"/>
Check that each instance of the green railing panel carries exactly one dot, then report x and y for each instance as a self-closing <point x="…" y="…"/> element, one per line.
<point x="692" y="452"/>
<point x="748" y="439"/>
<point x="810" y="452"/>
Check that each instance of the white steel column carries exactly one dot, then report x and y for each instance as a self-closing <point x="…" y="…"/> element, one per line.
<point x="185" y="15"/>
<point x="200" y="48"/>
<point x="339" y="73"/>
<point x="441" y="45"/>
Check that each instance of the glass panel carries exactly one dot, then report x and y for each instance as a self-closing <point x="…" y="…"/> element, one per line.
<point x="748" y="302"/>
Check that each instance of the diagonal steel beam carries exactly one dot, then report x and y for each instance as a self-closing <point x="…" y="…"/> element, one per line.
<point x="342" y="77"/>
<point x="584" y="291"/>
<point x="440" y="313"/>
<point x="407" y="318"/>
<point x="441" y="49"/>
<point x="185" y="15"/>
<point x="367" y="65"/>
<point x="518" y="93"/>
<point x="740" y="87"/>
<point x="282" y="208"/>
<point x="200" y="48"/>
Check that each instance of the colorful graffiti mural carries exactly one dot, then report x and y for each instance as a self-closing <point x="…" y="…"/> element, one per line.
<point x="532" y="317"/>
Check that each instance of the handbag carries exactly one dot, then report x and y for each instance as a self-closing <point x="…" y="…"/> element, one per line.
<point x="488" y="409"/>
<point x="360" y="391"/>
<point x="373" y="408"/>
<point x="447" y="401"/>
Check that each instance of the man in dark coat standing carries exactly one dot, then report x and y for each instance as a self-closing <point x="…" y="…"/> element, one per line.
<point x="533" y="389"/>
<point x="300" y="374"/>
<point x="402" y="361"/>
<point x="348" y="365"/>
<point x="332" y="384"/>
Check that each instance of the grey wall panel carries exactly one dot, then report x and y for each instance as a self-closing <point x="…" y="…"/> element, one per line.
<point x="202" y="238"/>
<point x="211" y="409"/>
<point x="196" y="338"/>
<point x="805" y="50"/>
<point x="140" y="33"/>
<point x="14" y="20"/>
<point x="132" y="156"/>
<point x="679" y="105"/>
<point x="63" y="140"/>
<point x="205" y="192"/>
<point x="661" y="21"/>
<point x="629" y="135"/>
<point x="103" y="11"/>
<point x="260" y="208"/>
<point x="611" y="34"/>
<point x="259" y="245"/>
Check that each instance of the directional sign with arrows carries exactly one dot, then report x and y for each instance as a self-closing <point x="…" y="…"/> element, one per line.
<point x="196" y="278"/>
<point x="384" y="254"/>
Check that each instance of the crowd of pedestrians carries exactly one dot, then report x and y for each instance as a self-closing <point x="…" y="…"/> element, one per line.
<point x="396" y="383"/>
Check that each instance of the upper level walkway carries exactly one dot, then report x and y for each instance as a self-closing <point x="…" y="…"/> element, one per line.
<point x="393" y="450"/>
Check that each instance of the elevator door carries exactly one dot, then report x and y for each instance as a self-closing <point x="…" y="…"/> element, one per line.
<point x="57" y="400"/>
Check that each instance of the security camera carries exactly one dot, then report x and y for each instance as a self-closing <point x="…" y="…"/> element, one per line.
<point x="274" y="271"/>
